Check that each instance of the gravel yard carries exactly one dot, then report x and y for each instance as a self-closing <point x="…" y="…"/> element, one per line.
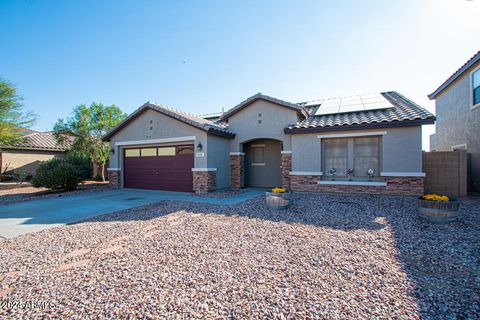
<point x="328" y="256"/>
<point x="25" y="192"/>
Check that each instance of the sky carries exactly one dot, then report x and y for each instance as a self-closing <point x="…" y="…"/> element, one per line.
<point x="202" y="56"/>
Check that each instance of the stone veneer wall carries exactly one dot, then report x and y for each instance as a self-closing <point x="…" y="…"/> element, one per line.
<point x="204" y="181"/>
<point x="114" y="178"/>
<point x="400" y="186"/>
<point x="237" y="171"/>
<point x="286" y="168"/>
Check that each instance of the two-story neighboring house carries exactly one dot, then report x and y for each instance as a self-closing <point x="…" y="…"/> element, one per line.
<point x="457" y="105"/>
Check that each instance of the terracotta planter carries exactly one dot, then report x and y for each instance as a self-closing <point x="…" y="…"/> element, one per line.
<point x="437" y="211"/>
<point x="277" y="200"/>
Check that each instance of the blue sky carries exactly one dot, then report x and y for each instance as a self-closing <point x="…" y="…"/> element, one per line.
<point x="202" y="56"/>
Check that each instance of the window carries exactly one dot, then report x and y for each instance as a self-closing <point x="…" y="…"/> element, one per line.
<point x="166" y="151"/>
<point x="132" y="153"/>
<point x="365" y="155"/>
<point x="359" y="154"/>
<point x="258" y="155"/>
<point x="148" y="152"/>
<point x="185" y="150"/>
<point x="476" y="88"/>
<point x="335" y="156"/>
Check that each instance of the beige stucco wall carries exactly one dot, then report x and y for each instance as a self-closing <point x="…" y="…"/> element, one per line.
<point x="274" y="119"/>
<point x="401" y="150"/>
<point x="27" y="160"/>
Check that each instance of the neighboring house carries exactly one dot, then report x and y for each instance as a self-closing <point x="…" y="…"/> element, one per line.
<point x="267" y="142"/>
<point x="457" y="108"/>
<point x="34" y="148"/>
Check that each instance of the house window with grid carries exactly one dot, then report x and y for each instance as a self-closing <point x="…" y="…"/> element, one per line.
<point x="476" y="88"/>
<point x="359" y="154"/>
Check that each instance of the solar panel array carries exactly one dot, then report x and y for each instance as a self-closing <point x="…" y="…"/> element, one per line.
<point x="351" y="104"/>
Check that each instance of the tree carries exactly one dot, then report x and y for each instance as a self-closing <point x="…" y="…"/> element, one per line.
<point x="88" y="125"/>
<point x="12" y="116"/>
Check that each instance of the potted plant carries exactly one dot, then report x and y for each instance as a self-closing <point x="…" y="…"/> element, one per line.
<point x="278" y="198"/>
<point x="438" y="208"/>
<point x="350" y="173"/>
<point x="371" y="174"/>
<point x="333" y="171"/>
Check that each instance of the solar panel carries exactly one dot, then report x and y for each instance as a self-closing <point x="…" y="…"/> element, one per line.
<point x="353" y="104"/>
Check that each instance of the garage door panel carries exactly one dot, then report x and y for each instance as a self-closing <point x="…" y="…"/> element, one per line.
<point x="172" y="173"/>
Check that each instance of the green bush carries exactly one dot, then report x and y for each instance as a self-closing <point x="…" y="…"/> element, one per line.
<point x="83" y="164"/>
<point x="57" y="174"/>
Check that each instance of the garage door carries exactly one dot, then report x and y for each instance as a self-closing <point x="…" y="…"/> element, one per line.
<point x="159" y="168"/>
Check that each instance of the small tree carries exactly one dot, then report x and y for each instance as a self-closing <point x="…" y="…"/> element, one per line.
<point x="89" y="125"/>
<point x="12" y="115"/>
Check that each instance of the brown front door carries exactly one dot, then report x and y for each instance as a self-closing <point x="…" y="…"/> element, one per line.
<point x="159" y="168"/>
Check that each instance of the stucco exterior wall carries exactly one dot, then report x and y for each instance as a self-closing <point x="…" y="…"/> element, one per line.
<point x="152" y="125"/>
<point x="457" y="123"/>
<point x="274" y="119"/>
<point x="401" y="150"/>
<point x="27" y="160"/>
<point x="219" y="157"/>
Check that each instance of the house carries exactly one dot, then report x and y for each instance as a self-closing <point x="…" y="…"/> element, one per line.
<point x="34" y="148"/>
<point x="266" y="142"/>
<point x="457" y="107"/>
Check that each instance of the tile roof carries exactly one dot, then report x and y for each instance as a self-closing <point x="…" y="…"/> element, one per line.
<point x="455" y="75"/>
<point x="402" y="112"/>
<point x="33" y="140"/>
<point x="195" y="121"/>
<point x="256" y="97"/>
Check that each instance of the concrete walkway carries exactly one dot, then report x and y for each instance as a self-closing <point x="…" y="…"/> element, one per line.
<point x="36" y="215"/>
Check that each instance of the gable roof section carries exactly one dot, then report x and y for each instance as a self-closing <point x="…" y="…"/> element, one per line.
<point x="259" y="96"/>
<point x="453" y="77"/>
<point x="194" y="121"/>
<point x="403" y="112"/>
<point x="45" y="141"/>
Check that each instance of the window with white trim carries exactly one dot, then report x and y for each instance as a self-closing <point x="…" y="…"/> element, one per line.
<point x="476" y="87"/>
<point x="358" y="154"/>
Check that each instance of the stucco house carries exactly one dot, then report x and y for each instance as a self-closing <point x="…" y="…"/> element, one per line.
<point x="267" y="142"/>
<point x="457" y="107"/>
<point x="34" y="148"/>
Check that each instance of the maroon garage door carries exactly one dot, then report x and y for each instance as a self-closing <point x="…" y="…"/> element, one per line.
<point x="159" y="168"/>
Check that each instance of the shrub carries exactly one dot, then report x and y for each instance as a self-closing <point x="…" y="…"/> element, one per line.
<point x="57" y="174"/>
<point x="83" y="164"/>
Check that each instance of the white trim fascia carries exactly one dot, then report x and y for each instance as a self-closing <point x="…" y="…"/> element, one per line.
<point x="203" y="169"/>
<point x="354" y="183"/>
<point x="237" y="153"/>
<point x="402" y="174"/>
<point x="306" y="173"/>
<point x="473" y="106"/>
<point x="114" y="169"/>
<point x="286" y="152"/>
<point x="259" y="164"/>
<point x="353" y="134"/>
<point x="459" y="146"/>
<point x="155" y="141"/>
<point x="257" y="145"/>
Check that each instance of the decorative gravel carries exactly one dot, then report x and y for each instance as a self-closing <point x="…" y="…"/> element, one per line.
<point x="328" y="256"/>
<point x="225" y="193"/>
<point x="26" y="192"/>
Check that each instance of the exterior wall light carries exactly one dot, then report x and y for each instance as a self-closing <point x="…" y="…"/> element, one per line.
<point x="199" y="146"/>
<point x="112" y="151"/>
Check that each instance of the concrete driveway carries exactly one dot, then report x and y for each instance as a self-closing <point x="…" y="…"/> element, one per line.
<point x="20" y="218"/>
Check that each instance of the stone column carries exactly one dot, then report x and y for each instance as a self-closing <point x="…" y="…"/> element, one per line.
<point x="286" y="168"/>
<point x="204" y="179"/>
<point x="237" y="170"/>
<point x="115" y="177"/>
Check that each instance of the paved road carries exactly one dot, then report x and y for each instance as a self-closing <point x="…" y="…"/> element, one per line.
<point x="31" y="216"/>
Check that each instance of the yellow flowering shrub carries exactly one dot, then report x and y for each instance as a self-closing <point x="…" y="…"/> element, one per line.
<point x="279" y="190"/>
<point x="435" y="197"/>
